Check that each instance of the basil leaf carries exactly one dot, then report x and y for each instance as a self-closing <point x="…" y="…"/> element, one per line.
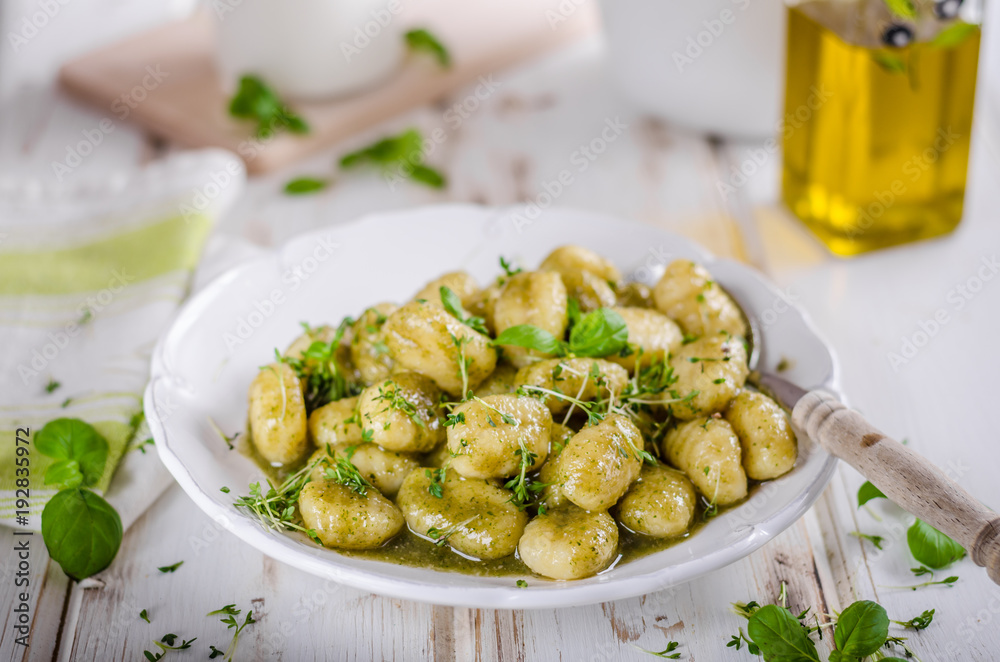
<point x="902" y="8"/>
<point x="406" y="147"/>
<point x="451" y="302"/>
<point x="780" y="636"/>
<point x="453" y="305"/>
<point x="953" y="35"/>
<point x="81" y="531"/>
<point x="305" y="185"/>
<point x="427" y="176"/>
<point x="422" y="40"/>
<point x="254" y="100"/>
<point x="891" y="63"/>
<point x="532" y="337"/>
<point x="73" y="439"/>
<point x="64" y="473"/>
<point x="931" y="547"/>
<point x="861" y="629"/>
<point x="573" y="311"/>
<point x="600" y="333"/>
<point x="867" y="492"/>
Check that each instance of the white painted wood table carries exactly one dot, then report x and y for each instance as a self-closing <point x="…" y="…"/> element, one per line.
<point x="942" y="399"/>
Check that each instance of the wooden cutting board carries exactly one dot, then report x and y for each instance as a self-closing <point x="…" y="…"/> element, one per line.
<point x="187" y="104"/>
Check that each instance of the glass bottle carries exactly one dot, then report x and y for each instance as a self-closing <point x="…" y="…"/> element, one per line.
<point x="878" y="118"/>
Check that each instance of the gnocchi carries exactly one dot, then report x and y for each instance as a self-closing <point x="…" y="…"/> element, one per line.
<point x="369" y="353"/>
<point x="278" y="422"/>
<point x="687" y="294"/>
<point x="385" y="470"/>
<point x="459" y="282"/>
<point x="336" y="423"/>
<point x="582" y="379"/>
<point x="661" y="503"/>
<point x="654" y="337"/>
<point x="472" y="515"/>
<point x="588" y="277"/>
<point x="524" y="429"/>
<point x="401" y="413"/>
<point x="600" y="462"/>
<point x="343" y="518"/>
<point x="569" y="543"/>
<point x="494" y="436"/>
<point x="710" y="372"/>
<point x="766" y="436"/>
<point x="708" y="451"/>
<point x="426" y="339"/>
<point x="537" y="298"/>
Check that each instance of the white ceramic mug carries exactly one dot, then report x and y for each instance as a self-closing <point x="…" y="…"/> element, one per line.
<point x="715" y="66"/>
<point x="308" y="48"/>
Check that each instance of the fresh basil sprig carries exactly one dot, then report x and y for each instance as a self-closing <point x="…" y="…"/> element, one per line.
<point x="861" y="630"/>
<point x="403" y="152"/>
<point x="780" y="636"/>
<point x="421" y="40"/>
<point x="306" y="185"/>
<point x="454" y="306"/>
<point x="931" y="547"/>
<point x="599" y="333"/>
<point x="254" y="100"/>
<point x="867" y="492"/>
<point x="81" y="530"/>
<point x="79" y="450"/>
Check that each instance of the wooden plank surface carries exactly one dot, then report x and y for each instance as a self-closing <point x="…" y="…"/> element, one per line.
<point x="505" y="152"/>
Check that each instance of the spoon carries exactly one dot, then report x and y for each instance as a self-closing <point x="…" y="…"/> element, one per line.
<point x="906" y="477"/>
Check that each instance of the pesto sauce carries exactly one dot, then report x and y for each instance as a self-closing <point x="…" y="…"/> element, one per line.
<point x="409" y="549"/>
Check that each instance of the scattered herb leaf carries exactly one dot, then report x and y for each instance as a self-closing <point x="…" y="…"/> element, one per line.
<point x="254" y="100"/>
<point x="421" y="40"/>
<point x="304" y="185"/>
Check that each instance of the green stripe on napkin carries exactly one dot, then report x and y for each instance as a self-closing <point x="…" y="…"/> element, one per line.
<point x="102" y="364"/>
<point x="141" y="253"/>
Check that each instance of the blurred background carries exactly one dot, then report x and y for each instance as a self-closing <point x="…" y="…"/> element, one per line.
<point x="698" y="92"/>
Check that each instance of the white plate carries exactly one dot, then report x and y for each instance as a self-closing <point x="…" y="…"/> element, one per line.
<point x="203" y="366"/>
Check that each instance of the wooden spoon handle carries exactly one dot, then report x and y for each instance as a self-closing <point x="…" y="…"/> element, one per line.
<point x="907" y="478"/>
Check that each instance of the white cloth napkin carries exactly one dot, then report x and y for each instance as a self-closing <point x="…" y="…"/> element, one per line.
<point x="90" y="276"/>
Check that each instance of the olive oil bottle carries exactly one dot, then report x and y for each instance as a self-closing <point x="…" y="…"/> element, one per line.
<point x="878" y="117"/>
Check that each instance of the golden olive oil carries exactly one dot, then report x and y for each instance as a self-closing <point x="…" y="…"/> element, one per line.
<point x="876" y="139"/>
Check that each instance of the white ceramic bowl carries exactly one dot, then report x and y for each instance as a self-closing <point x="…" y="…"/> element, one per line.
<point x="204" y="364"/>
